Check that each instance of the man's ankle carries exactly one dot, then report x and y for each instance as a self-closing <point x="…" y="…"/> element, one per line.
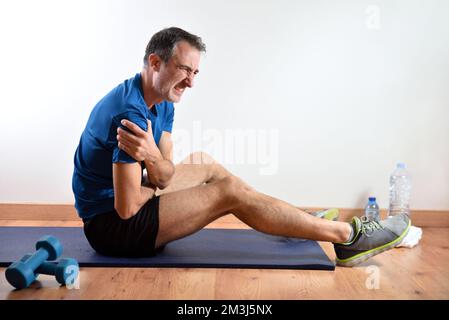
<point x="347" y="233"/>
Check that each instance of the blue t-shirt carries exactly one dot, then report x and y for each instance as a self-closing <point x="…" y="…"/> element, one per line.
<point x="98" y="147"/>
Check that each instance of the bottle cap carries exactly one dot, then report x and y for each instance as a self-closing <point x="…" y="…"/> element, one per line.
<point x="400" y="165"/>
<point x="372" y="199"/>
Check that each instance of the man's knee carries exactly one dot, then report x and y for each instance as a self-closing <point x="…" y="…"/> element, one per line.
<point x="199" y="157"/>
<point x="234" y="188"/>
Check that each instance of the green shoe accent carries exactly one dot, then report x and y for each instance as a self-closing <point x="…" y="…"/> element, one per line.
<point x="329" y="214"/>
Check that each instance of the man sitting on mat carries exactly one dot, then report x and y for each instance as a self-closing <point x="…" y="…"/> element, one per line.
<point x="132" y="214"/>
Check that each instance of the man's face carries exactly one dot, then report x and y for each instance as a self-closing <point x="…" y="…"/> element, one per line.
<point x="178" y="73"/>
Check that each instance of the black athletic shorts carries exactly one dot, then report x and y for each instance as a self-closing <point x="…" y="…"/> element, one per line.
<point x="110" y="235"/>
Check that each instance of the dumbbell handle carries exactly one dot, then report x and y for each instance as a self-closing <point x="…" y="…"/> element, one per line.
<point x="36" y="259"/>
<point x="44" y="268"/>
<point x="47" y="268"/>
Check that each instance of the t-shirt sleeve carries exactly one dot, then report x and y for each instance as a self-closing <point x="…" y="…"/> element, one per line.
<point x="170" y="116"/>
<point x="118" y="155"/>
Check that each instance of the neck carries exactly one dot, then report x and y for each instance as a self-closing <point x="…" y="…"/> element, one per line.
<point x="150" y="95"/>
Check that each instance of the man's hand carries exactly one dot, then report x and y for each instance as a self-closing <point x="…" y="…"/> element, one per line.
<point x="139" y="144"/>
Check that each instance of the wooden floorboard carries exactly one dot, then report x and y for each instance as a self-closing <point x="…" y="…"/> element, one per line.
<point x="418" y="273"/>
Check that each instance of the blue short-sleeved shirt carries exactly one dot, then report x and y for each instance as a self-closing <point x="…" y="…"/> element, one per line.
<point x="98" y="148"/>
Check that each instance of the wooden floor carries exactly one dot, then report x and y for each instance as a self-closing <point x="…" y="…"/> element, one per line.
<point x="418" y="273"/>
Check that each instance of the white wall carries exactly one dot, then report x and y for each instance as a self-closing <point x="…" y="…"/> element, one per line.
<point x="332" y="92"/>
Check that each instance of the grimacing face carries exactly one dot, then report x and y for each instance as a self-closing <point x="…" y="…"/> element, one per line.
<point x="179" y="72"/>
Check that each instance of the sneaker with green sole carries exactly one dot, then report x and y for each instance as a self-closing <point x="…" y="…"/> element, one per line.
<point x="328" y="214"/>
<point x="371" y="238"/>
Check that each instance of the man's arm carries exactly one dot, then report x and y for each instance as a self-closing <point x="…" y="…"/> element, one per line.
<point x="129" y="194"/>
<point x="162" y="171"/>
<point x="166" y="146"/>
<point x="141" y="146"/>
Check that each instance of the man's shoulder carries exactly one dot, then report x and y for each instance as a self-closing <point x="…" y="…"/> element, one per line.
<point x="124" y="97"/>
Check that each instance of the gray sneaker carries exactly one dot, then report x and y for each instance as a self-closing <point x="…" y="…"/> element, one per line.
<point x="371" y="238"/>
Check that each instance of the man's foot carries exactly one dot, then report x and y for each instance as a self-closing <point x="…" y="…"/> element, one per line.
<point x="371" y="238"/>
<point x="329" y="214"/>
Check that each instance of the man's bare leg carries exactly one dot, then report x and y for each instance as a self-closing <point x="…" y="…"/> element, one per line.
<point x="186" y="211"/>
<point x="196" y="169"/>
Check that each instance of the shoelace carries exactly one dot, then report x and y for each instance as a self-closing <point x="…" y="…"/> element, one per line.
<point x="368" y="227"/>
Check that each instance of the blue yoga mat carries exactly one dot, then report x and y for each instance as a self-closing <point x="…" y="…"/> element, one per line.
<point x="208" y="248"/>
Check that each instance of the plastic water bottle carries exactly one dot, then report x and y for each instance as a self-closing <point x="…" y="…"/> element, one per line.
<point x="372" y="210"/>
<point x="400" y="188"/>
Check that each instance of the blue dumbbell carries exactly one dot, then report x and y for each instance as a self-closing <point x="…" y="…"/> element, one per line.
<point x="63" y="270"/>
<point x="20" y="274"/>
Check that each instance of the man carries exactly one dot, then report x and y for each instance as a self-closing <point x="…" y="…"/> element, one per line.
<point x="128" y="213"/>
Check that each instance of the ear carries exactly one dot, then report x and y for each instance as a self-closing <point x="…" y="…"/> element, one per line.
<point x="154" y="61"/>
